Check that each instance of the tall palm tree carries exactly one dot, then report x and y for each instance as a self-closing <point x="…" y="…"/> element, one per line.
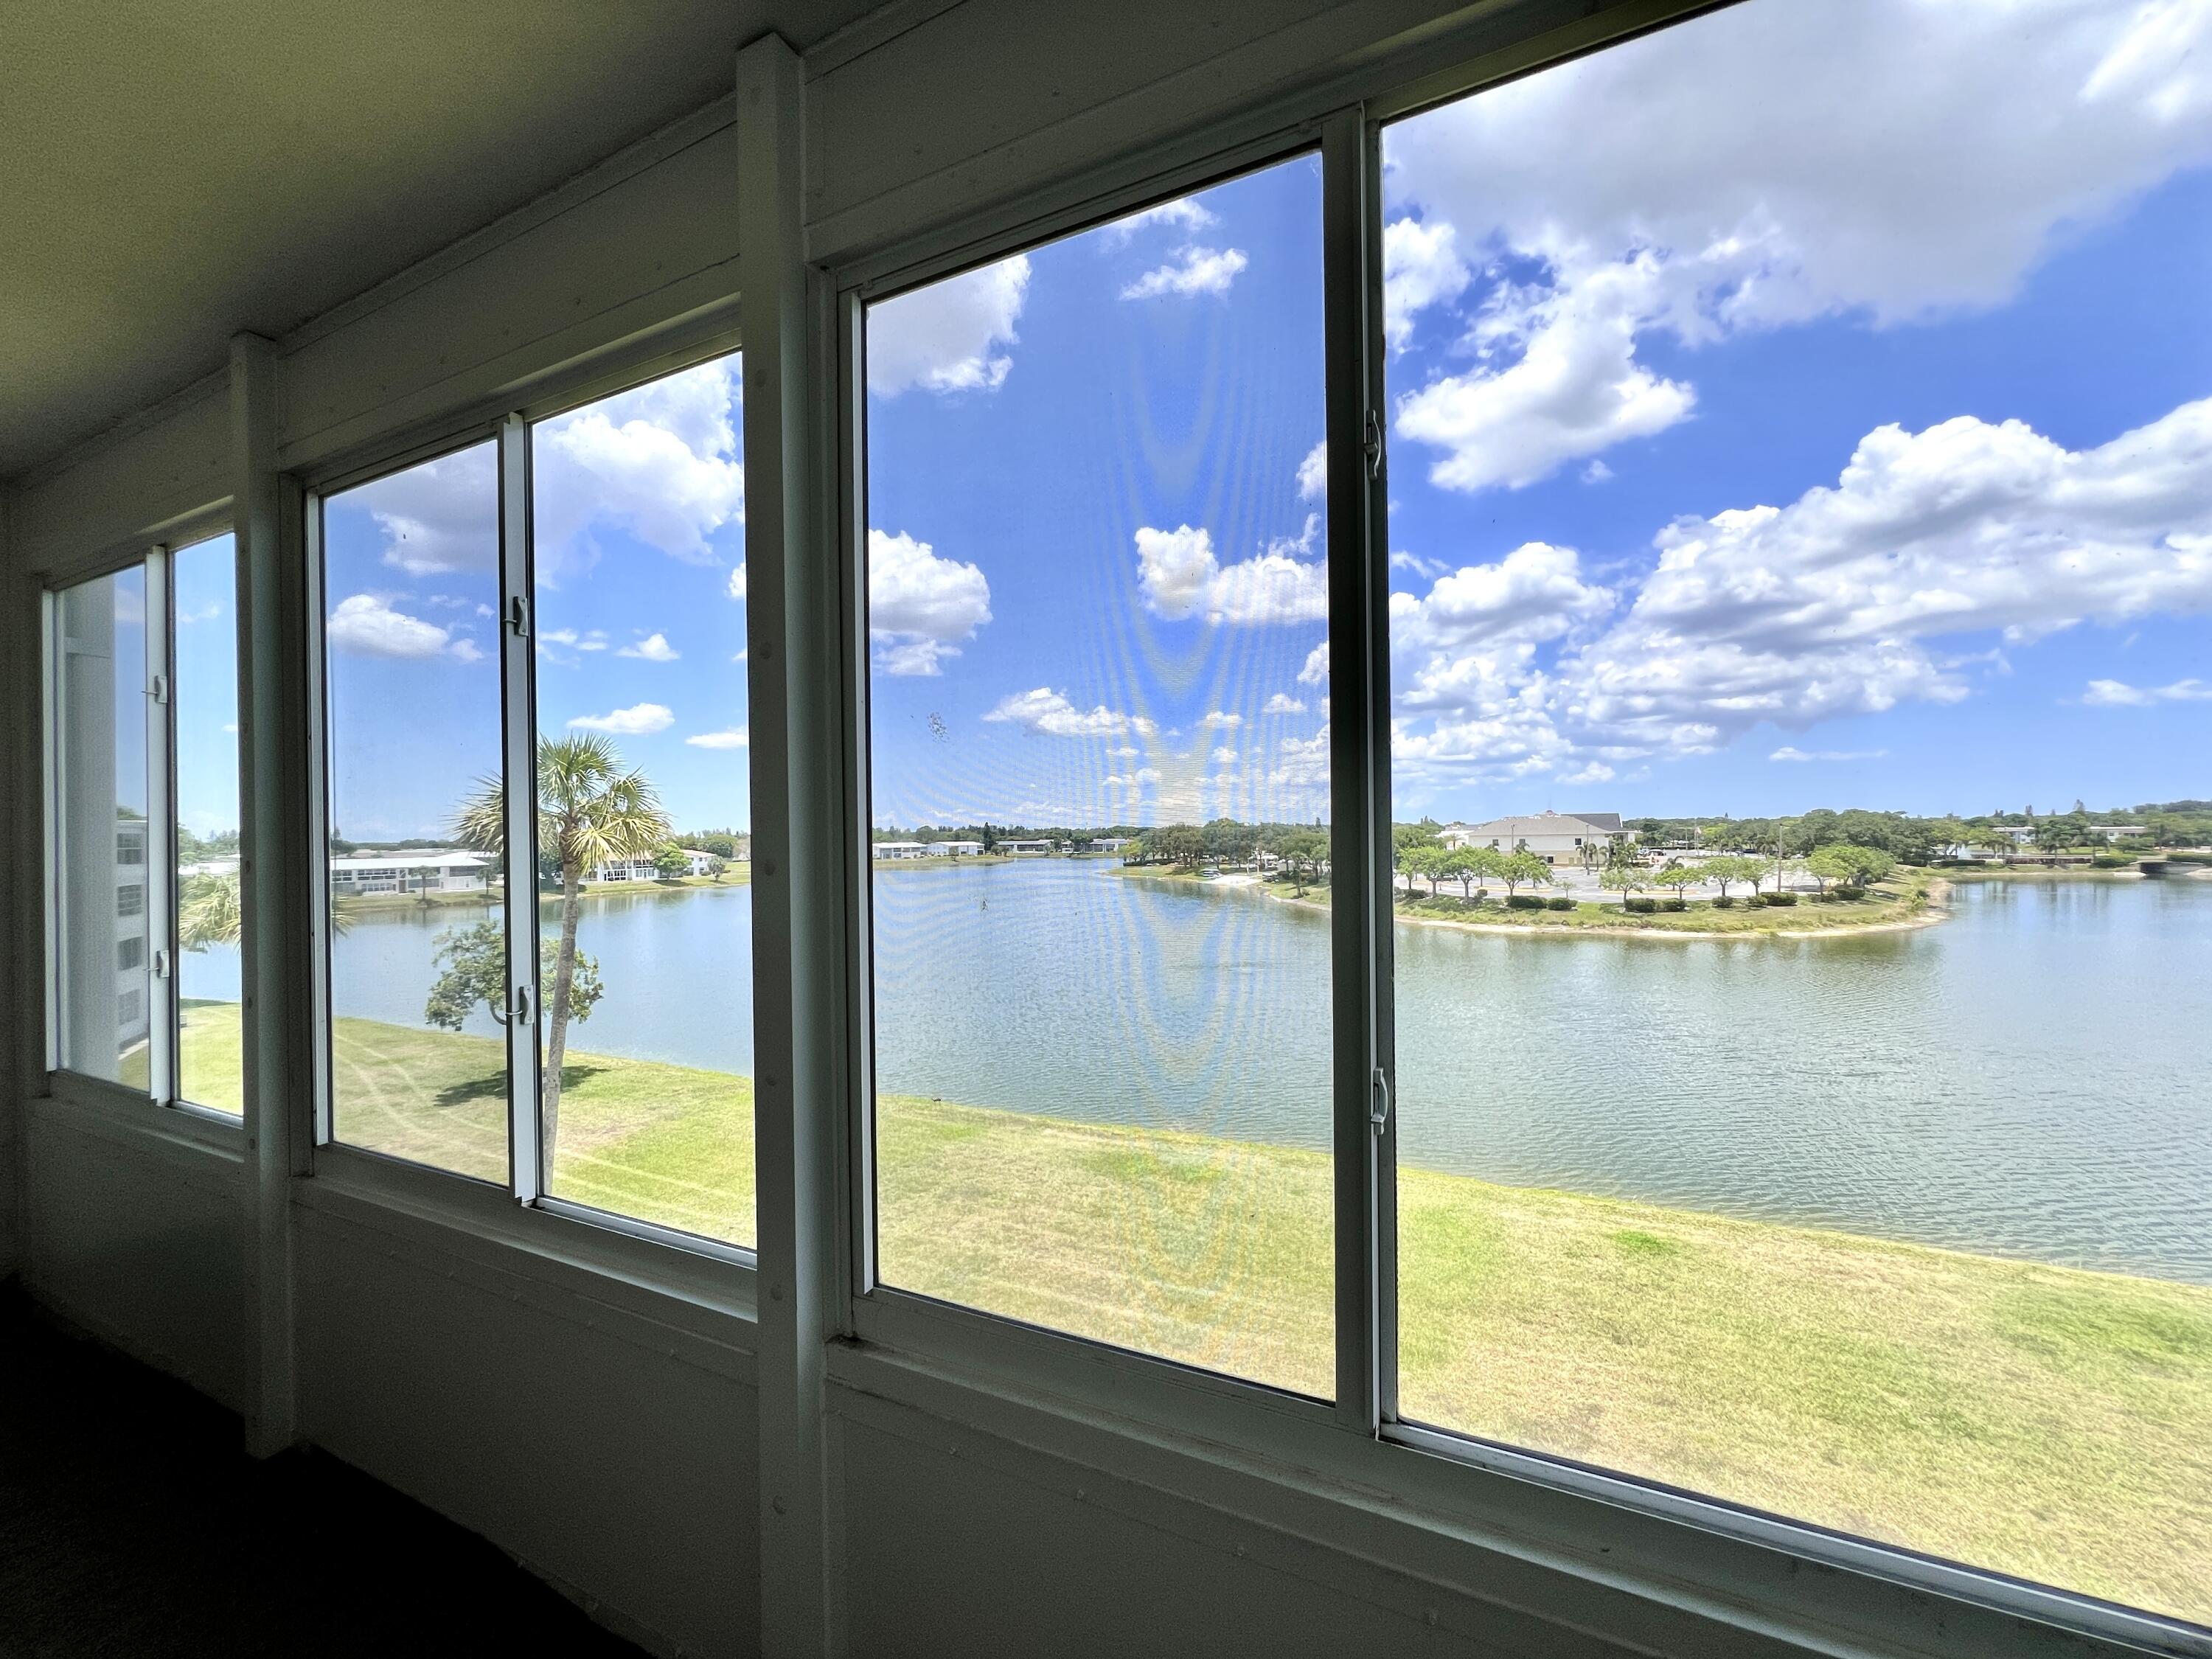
<point x="590" y="812"/>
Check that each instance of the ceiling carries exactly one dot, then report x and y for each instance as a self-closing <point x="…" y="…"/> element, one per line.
<point x="178" y="171"/>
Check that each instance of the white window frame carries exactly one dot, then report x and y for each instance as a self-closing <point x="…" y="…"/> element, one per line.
<point x="1694" y="1552"/>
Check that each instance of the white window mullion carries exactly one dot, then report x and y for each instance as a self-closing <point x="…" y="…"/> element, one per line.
<point x="518" y="733"/>
<point x="160" y="834"/>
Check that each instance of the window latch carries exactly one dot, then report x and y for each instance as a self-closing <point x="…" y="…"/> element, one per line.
<point x="161" y="688"/>
<point x="161" y="965"/>
<point x="1378" y="1113"/>
<point x="1371" y="444"/>
<point x="518" y="616"/>
<point x="518" y="1005"/>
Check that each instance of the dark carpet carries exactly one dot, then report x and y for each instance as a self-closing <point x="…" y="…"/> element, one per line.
<point x="132" y="1524"/>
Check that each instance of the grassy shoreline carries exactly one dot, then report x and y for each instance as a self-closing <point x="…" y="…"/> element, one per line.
<point x="738" y="875"/>
<point x="2045" y="1421"/>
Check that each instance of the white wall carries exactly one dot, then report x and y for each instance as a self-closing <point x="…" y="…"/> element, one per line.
<point x="589" y="1411"/>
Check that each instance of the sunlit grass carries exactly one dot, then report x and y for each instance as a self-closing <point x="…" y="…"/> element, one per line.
<point x="2042" y="1421"/>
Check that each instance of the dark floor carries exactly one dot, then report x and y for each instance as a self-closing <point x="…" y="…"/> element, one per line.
<point x="131" y="1525"/>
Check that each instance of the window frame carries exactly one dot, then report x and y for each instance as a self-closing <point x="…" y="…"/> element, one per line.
<point x="622" y="1243"/>
<point x="1692" y="1550"/>
<point x="152" y="554"/>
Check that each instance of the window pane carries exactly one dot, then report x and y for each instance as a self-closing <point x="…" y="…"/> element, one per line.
<point x="411" y="587"/>
<point x="204" y="694"/>
<point x="100" y="742"/>
<point x="1800" y="458"/>
<point x="645" y="905"/>
<point x="1096" y="593"/>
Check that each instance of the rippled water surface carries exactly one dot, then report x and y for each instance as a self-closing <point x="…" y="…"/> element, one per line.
<point x="2029" y="1078"/>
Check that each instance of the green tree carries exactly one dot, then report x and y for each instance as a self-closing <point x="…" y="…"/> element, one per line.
<point x="1305" y="851"/>
<point x="1627" y="877"/>
<point x="590" y="811"/>
<point x="472" y="970"/>
<point x="1827" y="864"/>
<point x="669" y="864"/>
<point x="1182" y="845"/>
<point x="718" y="868"/>
<point x="1677" y="875"/>
<point x="208" y="912"/>
<point x="1521" y="869"/>
<point x="1732" y="867"/>
<point x="1431" y="864"/>
<point x="1469" y="865"/>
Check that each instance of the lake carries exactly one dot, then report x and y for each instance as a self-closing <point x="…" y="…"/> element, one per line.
<point x="2028" y="1079"/>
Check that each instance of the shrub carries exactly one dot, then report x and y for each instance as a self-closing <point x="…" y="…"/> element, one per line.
<point x="1726" y="901"/>
<point x="1523" y="901"/>
<point x="2113" y="860"/>
<point x="1560" y="903"/>
<point x="1641" y="906"/>
<point x="1850" y="893"/>
<point x="1674" y="904"/>
<point x="1778" y="898"/>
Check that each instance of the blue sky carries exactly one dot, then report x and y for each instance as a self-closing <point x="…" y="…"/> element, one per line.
<point x="1799" y="407"/>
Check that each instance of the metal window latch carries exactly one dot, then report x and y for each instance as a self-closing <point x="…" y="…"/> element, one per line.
<point x="1372" y="443"/>
<point x="161" y="965"/>
<point x="1378" y="1114"/>
<point x="518" y="616"/>
<point x="518" y="1005"/>
<point x="160" y="688"/>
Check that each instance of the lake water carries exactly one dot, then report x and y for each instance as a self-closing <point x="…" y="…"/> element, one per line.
<point x="2029" y="1078"/>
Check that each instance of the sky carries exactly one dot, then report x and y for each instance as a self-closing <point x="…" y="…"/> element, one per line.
<point x="1808" y="405"/>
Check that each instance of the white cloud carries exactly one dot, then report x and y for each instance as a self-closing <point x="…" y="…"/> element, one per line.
<point x="735" y="737"/>
<point x="946" y="338"/>
<point x="661" y="463"/>
<point x="438" y="518"/>
<point x="366" y="625"/>
<point x="1315" y="672"/>
<point x="920" y="607"/>
<point x="1183" y="214"/>
<point x="1180" y="576"/>
<point x="639" y="720"/>
<point x="2118" y="694"/>
<point x="1791" y="752"/>
<point x="1421" y="267"/>
<point x="1201" y="270"/>
<point x="1596" y="473"/>
<point x="1220" y="720"/>
<point x="1142" y="777"/>
<point x="1767" y="166"/>
<point x="1223" y="756"/>
<point x="738" y="580"/>
<point x="1534" y="592"/>
<point x="1283" y="703"/>
<point x="1049" y="713"/>
<point x="653" y="647"/>
<point x="1313" y="473"/>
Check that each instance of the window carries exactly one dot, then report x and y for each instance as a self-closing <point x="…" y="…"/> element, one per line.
<point x="1097" y="612"/>
<point x="645" y="902"/>
<point x="134" y="751"/>
<point x="537" y="760"/>
<point x="101" y="698"/>
<point x="411" y="750"/>
<point x="1798" y="1115"/>
<point x="208" y="900"/>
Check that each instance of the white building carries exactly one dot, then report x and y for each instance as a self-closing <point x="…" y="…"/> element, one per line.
<point x="957" y="849"/>
<point x="1030" y="847"/>
<point x="1557" y="838"/>
<point x="356" y="875"/>
<point x="1113" y="843"/>
<point x="697" y="863"/>
<point x="2111" y="832"/>
<point x="900" y="849"/>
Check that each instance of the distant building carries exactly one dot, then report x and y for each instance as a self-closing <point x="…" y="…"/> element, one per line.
<point x="1555" y="837"/>
<point x="957" y="849"/>
<point x="642" y="868"/>
<point x="1112" y="843"/>
<point x="2111" y="832"/>
<point x="900" y="849"/>
<point x="356" y="875"/>
<point x="1034" y="848"/>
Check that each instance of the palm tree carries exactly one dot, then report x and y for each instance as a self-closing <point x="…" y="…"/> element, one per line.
<point x="207" y="912"/>
<point x="590" y="812"/>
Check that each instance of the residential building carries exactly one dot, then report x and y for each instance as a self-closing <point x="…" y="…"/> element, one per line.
<point x="1027" y="847"/>
<point x="1557" y="838"/>
<point x="357" y="875"/>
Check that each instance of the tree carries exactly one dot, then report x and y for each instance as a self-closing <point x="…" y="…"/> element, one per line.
<point x="669" y="864"/>
<point x="208" y="912"/>
<point x="1677" y="875"/>
<point x="591" y="812"/>
<point x="1429" y="863"/>
<point x="1182" y="845"/>
<point x="472" y="964"/>
<point x="1734" y="867"/>
<point x="1521" y="869"/>
<point x="1827" y="864"/>
<point x="718" y="868"/>
<point x="1627" y="877"/>
<point x="1305" y="851"/>
<point x="1468" y="863"/>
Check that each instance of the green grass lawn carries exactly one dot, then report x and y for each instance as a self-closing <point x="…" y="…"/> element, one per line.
<point x="2042" y="1421"/>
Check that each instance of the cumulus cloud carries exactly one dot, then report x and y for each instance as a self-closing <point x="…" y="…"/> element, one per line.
<point x="736" y="585"/>
<point x="1223" y="756"/>
<point x="920" y="607"/>
<point x="1183" y="214"/>
<point x="949" y="335"/>
<point x="1180" y="576"/>
<point x="1049" y="713"/>
<point x="1283" y="703"/>
<point x="437" y="519"/>
<point x="1313" y="473"/>
<point x="1217" y="719"/>
<point x="653" y="647"/>
<point x="1315" y="672"/>
<point x="367" y="625"/>
<point x="639" y="720"/>
<point x="1791" y="752"/>
<point x="660" y="463"/>
<point x="1142" y="777"/>
<point x="1421" y="267"/>
<point x="2118" y="694"/>
<point x="1766" y="165"/>
<point x="735" y="737"/>
<point x="1196" y="270"/>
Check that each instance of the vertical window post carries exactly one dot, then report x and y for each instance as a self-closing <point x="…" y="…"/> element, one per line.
<point x="517" y="633"/>
<point x="161" y="847"/>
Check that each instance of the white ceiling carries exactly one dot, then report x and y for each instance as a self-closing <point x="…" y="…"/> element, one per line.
<point x="172" y="172"/>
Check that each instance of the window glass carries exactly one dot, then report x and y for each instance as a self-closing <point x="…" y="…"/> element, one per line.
<point x="204" y="697"/>
<point x="412" y="749"/>
<point x="1799" y="490"/>
<point x="104" y="945"/>
<point x="1096" y="617"/>
<point x="645" y="902"/>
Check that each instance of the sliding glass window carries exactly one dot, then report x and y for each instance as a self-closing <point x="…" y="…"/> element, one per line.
<point x="644" y="844"/>
<point x="142" y="791"/>
<point x="1096" y="617"/>
<point x="537" y="753"/>
<point x="1799" y="492"/>
<point x="412" y="745"/>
